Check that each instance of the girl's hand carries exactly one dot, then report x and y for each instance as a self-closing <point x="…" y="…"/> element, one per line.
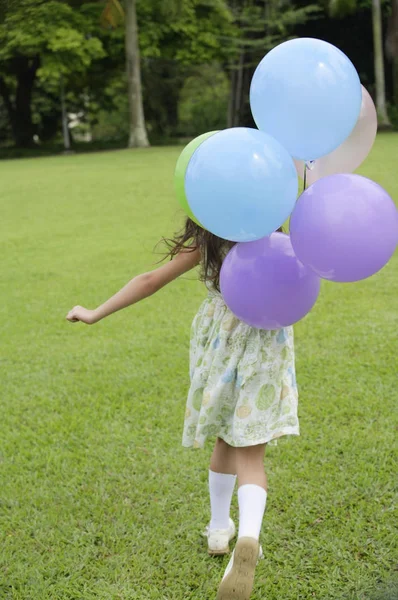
<point x="78" y="313"/>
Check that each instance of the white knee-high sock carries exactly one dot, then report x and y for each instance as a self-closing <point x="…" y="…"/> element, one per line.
<point x="221" y="487"/>
<point x="252" y="499"/>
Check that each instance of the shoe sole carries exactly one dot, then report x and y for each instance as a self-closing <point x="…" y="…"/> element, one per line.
<point x="225" y="550"/>
<point x="238" y="584"/>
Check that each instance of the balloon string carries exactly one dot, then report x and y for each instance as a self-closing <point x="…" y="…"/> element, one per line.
<point x="305" y="176"/>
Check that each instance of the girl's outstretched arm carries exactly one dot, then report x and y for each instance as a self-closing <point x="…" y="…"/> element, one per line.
<point x="138" y="288"/>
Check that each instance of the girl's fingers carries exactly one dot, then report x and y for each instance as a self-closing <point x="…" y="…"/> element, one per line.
<point x="78" y="313"/>
<point x="72" y="317"/>
<point x="72" y="314"/>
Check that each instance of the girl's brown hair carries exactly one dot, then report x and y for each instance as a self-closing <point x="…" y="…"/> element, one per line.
<point x="212" y="249"/>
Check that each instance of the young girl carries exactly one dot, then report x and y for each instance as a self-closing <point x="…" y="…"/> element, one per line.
<point x="243" y="392"/>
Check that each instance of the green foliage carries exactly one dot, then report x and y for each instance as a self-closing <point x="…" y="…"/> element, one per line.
<point x="162" y="81"/>
<point x="262" y="24"/>
<point x="188" y="49"/>
<point x="203" y="101"/>
<point x="111" y="124"/>
<point x="69" y="39"/>
<point x="59" y="35"/>
<point x="188" y="31"/>
<point x="40" y="43"/>
<point x="174" y="37"/>
<point x="393" y="115"/>
<point x="342" y="8"/>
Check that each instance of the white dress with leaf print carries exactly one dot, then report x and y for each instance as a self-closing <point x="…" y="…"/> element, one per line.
<point x="243" y="384"/>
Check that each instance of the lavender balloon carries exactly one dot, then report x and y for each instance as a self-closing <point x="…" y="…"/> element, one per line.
<point x="344" y="227"/>
<point x="265" y="285"/>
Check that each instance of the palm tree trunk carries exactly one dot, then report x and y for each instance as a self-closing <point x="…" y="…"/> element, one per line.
<point x="138" y="135"/>
<point x="379" y="64"/>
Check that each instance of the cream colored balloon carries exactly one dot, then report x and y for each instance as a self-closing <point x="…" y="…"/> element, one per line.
<point x="352" y="152"/>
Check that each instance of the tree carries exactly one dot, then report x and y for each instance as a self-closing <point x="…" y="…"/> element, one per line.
<point x="40" y="40"/>
<point x="203" y="100"/>
<point x="259" y="26"/>
<point x="392" y="46"/>
<point x="137" y="135"/>
<point x="173" y="36"/>
<point x="112" y="16"/>
<point x="381" y="104"/>
<point x="341" y="8"/>
<point x="177" y="38"/>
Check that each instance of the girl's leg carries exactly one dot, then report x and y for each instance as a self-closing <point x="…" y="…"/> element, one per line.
<point x="222" y="476"/>
<point x="223" y="458"/>
<point x="238" y="579"/>
<point x="250" y="465"/>
<point x="252" y="490"/>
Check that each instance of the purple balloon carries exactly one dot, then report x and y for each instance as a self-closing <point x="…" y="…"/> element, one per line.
<point x="344" y="227"/>
<point x="265" y="285"/>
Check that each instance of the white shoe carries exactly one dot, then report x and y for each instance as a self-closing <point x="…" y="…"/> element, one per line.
<point x="238" y="579"/>
<point x="218" y="539"/>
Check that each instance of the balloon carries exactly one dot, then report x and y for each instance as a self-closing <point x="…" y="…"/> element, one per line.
<point x="306" y="93"/>
<point x="344" y="227"/>
<point x="180" y="170"/>
<point x="352" y="152"/>
<point x="241" y="184"/>
<point x="265" y="285"/>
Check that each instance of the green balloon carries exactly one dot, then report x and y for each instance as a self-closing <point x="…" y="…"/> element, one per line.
<point x="181" y="168"/>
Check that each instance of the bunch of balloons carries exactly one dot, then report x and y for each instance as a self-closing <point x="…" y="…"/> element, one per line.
<point x="315" y="120"/>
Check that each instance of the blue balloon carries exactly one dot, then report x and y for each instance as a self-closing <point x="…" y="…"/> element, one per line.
<point x="307" y="94"/>
<point x="241" y="184"/>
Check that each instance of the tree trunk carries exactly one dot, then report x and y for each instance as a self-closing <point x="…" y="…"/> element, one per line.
<point x="231" y="100"/>
<point x="19" y="111"/>
<point x="379" y="65"/>
<point x="392" y="47"/>
<point x="65" y="126"/>
<point x="395" y="80"/>
<point x="26" y="75"/>
<point x="138" y="135"/>
<point x="246" y="117"/>
<point x="235" y="95"/>
<point x="5" y="94"/>
<point x="238" y="91"/>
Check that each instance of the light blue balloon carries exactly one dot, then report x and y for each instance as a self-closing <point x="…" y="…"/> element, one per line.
<point x="307" y="94"/>
<point x="241" y="184"/>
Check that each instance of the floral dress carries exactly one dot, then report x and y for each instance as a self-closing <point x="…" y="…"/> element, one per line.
<point x="243" y="384"/>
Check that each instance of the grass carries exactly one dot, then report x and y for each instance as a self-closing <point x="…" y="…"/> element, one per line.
<point x="98" y="499"/>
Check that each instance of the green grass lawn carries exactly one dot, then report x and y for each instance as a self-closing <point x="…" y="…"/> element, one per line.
<point x="98" y="499"/>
